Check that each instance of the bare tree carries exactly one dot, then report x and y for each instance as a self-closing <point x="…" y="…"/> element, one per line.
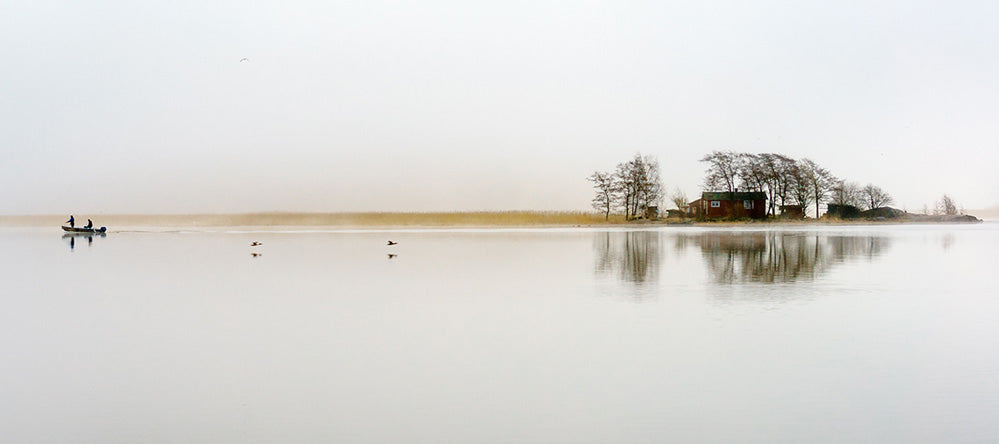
<point x="606" y="189"/>
<point x="785" y="180"/>
<point x="752" y="174"/>
<point x="723" y="171"/>
<point x="799" y="186"/>
<point x="628" y="177"/>
<point x="778" y="169"/>
<point x="847" y="193"/>
<point x="679" y="199"/>
<point x="651" y="189"/>
<point x="640" y="184"/>
<point x="947" y="206"/>
<point x="875" y="197"/>
<point x="820" y="181"/>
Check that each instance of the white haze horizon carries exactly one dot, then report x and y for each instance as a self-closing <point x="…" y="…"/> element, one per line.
<point x="119" y="108"/>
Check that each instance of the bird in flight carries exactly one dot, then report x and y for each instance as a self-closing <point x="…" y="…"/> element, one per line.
<point x="392" y="243"/>
<point x="256" y="244"/>
<point x="244" y="59"/>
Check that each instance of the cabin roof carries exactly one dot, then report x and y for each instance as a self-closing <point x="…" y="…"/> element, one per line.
<point x="724" y="195"/>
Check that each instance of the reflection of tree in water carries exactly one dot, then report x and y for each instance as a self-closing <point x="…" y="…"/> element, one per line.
<point x="636" y="257"/>
<point x="850" y="247"/>
<point x="633" y="256"/>
<point x="947" y="241"/>
<point x="780" y="257"/>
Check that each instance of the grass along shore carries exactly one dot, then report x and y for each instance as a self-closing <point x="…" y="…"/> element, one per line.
<point x="366" y="219"/>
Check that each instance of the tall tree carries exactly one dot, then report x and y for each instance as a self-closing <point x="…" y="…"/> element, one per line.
<point x="778" y="169"/>
<point x="640" y="184"/>
<point x="875" y="197"/>
<point x="820" y="181"/>
<point x="627" y="178"/>
<point x="847" y="193"/>
<point x="606" y="189"/>
<point x="799" y="186"/>
<point x="723" y="170"/>
<point x="946" y="205"/>
<point x="752" y="173"/>
<point x="679" y="199"/>
<point x="651" y="189"/>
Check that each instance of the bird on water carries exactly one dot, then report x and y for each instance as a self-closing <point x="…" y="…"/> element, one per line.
<point x="256" y="244"/>
<point x="392" y="243"/>
<point x="244" y="59"/>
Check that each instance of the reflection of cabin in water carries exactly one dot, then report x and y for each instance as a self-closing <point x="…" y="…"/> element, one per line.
<point x="715" y="205"/>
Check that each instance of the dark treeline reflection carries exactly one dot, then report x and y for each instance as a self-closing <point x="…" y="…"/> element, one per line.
<point x="632" y="256"/>
<point x="731" y="257"/>
<point x="780" y="257"/>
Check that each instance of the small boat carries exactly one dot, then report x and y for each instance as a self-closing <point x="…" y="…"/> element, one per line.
<point x="84" y="230"/>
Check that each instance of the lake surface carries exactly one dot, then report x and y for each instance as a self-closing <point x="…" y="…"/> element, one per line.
<point x="811" y="334"/>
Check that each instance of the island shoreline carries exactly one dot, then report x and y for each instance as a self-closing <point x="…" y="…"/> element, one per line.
<point x="431" y="220"/>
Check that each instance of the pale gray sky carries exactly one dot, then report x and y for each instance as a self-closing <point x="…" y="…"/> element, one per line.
<point x="112" y="107"/>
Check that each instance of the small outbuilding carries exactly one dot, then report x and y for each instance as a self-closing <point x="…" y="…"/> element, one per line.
<point x="842" y="211"/>
<point x="792" y="211"/>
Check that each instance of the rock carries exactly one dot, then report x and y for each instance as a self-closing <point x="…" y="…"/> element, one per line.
<point x="883" y="213"/>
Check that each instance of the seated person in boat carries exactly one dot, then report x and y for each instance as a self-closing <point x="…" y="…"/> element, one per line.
<point x="90" y="224"/>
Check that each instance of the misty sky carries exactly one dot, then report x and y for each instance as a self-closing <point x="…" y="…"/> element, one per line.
<point x="145" y="107"/>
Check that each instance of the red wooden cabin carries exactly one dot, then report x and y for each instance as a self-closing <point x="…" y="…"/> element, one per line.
<point x="718" y="205"/>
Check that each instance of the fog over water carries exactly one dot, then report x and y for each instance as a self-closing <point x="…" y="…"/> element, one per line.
<point x="761" y="334"/>
<point x="112" y="107"/>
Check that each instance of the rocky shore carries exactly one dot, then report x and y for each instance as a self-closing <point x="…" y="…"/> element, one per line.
<point x="893" y="214"/>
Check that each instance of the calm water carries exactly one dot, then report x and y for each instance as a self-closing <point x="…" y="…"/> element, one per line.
<point x="842" y="334"/>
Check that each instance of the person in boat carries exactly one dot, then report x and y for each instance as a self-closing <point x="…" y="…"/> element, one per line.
<point x="71" y="221"/>
<point x="90" y="224"/>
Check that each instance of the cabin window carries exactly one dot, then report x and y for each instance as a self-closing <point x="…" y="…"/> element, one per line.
<point x="747" y="204"/>
<point x="715" y="204"/>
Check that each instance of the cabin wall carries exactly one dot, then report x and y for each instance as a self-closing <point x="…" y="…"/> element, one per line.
<point x="734" y="208"/>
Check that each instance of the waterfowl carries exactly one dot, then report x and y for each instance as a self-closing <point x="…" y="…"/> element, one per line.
<point x="256" y="244"/>
<point x="392" y="243"/>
